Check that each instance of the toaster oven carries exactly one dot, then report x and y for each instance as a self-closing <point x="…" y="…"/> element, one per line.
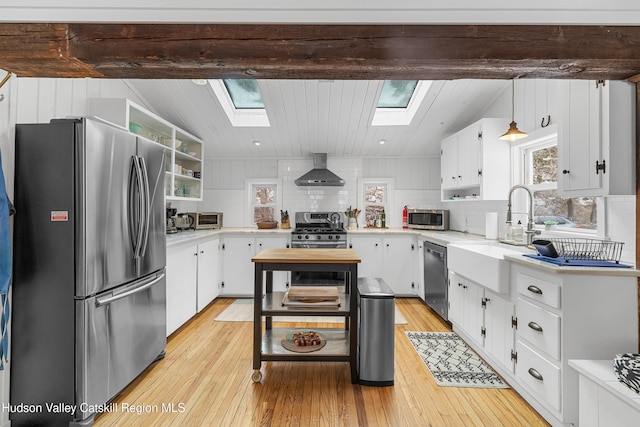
<point x="428" y="219"/>
<point x="205" y="220"/>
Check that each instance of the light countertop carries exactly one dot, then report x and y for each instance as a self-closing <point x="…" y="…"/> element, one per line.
<point x="443" y="238"/>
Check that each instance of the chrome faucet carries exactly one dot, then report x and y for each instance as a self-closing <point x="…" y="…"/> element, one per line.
<point x="530" y="232"/>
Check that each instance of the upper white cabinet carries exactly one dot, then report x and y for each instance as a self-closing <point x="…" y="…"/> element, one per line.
<point x="183" y="178"/>
<point x="475" y="164"/>
<point x="596" y="138"/>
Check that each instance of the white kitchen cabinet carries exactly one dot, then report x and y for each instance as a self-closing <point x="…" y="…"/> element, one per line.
<point x="596" y="138"/>
<point x="604" y="400"/>
<point x="183" y="158"/>
<point x="238" y="269"/>
<point x="281" y="279"/>
<point x="475" y="164"/>
<point x="557" y="317"/>
<point x="400" y="256"/>
<point x="208" y="283"/>
<point x="181" y="273"/>
<point x="392" y="258"/>
<point x="369" y="248"/>
<point x="192" y="280"/>
<point x="449" y="163"/>
<point x="499" y="334"/>
<point x="568" y="316"/>
<point x="465" y="307"/>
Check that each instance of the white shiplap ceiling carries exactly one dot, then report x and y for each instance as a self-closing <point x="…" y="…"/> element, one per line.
<point x="320" y="116"/>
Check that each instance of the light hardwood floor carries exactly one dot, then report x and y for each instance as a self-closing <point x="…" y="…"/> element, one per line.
<point x="205" y="377"/>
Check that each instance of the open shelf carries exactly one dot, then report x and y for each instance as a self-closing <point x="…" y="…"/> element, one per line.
<point x="337" y="345"/>
<point x="272" y="306"/>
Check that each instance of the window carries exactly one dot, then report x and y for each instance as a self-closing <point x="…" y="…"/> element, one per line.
<point x="399" y="101"/>
<point x="244" y="93"/>
<point x="376" y="196"/>
<point x="264" y="201"/>
<point x="396" y="93"/>
<point x="559" y="213"/>
<point x="241" y="101"/>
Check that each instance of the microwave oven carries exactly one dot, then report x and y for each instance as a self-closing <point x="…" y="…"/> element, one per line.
<point x="205" y="220"/>
<point x="428" y="219"/>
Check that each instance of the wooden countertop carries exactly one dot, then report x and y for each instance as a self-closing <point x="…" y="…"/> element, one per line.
<point x="307" y="255"/>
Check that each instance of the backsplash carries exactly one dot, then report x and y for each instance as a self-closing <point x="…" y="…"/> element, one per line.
<point x="225" y="185"/>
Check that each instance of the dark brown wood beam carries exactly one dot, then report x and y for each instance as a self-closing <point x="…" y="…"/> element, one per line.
<point x="320" y="51"/>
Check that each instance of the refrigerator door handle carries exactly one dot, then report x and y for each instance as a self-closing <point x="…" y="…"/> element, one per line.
<point x="136" y="211"/>
<point x="146" y="202"/>
<point x="109" y="299"/>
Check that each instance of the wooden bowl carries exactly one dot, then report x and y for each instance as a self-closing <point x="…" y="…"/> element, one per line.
<point x="263" y="225"/>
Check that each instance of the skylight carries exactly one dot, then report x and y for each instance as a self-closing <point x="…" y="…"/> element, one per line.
<point x="396" y="93"/>
<point x="244" y="93"/>
<point x="399" y="101"/>
<point x="241" y="101"/>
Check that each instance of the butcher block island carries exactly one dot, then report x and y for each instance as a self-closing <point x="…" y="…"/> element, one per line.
<point x="329" y="344"/>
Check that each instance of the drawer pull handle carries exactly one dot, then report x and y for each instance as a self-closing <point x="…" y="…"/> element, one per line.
<point x="535" y="374"/>
<point x="535" y="326"/>
<point x="534" y="289"/>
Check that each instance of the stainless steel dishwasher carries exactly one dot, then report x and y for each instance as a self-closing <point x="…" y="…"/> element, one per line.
<point x="436" y="289"/>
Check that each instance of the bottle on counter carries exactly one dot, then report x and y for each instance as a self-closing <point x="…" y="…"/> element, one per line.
<point x="378" y="222"/>
<point x="383" y="219"/>
<point x="508" y="234"/>
<point x="518" y="232"/>
<point x="405" y="217"/>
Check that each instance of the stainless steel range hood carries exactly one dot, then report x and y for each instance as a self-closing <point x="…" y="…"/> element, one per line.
<point x="319" y="175"/>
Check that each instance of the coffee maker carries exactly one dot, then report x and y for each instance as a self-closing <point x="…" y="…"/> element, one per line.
<point x="171" y="221"/>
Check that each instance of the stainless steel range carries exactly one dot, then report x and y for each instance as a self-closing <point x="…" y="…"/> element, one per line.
<point x="319" y="230"/>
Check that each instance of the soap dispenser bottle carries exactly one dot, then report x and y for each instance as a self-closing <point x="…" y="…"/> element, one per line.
<point x="518" y="232"/>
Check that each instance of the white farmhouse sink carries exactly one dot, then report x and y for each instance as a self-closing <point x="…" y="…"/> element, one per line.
<point x="481" y="262"/>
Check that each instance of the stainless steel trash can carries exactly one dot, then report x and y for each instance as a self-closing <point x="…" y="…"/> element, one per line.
<point x="376" y="310"/>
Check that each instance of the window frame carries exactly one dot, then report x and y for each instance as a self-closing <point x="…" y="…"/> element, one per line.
<point x="250" y="185"/>
<point x="537" y="140"/>
<point x="388" y="204"/>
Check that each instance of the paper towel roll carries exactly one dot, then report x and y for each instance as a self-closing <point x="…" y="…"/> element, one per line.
<point x="491" y="225"/>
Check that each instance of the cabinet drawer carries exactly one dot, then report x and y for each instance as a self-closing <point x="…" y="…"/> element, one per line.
<point x="539" y="290"/>
<point x="539" y="375"/>
<point x="540" y="327"/>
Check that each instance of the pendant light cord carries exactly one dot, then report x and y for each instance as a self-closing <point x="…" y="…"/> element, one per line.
<point x="513" y="102"/>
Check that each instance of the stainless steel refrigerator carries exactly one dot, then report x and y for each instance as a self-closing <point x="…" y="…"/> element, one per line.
<point x="89" y="293"/>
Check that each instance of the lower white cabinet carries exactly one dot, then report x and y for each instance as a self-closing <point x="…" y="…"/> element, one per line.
<point x="465" y="306"/>
<point x="392" y="258"/>
<point x="604" y="400"/>
<point x="181" y="285"/>
<point x="485" y="318"/>
<point x="238" y="270"/>
<point x="499" y="333"/>
<point x="192" y="281"/>
<point x="529" y="334"/>
<point x="208" y="282"/>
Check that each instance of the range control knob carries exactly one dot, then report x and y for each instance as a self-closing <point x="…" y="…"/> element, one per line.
<point x="330" y="237"/>
<point x="306" y="236"/>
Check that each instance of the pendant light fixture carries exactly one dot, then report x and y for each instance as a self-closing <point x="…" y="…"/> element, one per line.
<point x="513" y="133"/>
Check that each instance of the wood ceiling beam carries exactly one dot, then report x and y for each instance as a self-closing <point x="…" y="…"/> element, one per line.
<point x="438" y="52"/>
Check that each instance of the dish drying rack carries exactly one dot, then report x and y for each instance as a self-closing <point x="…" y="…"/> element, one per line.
<point x="588" y="249"/>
